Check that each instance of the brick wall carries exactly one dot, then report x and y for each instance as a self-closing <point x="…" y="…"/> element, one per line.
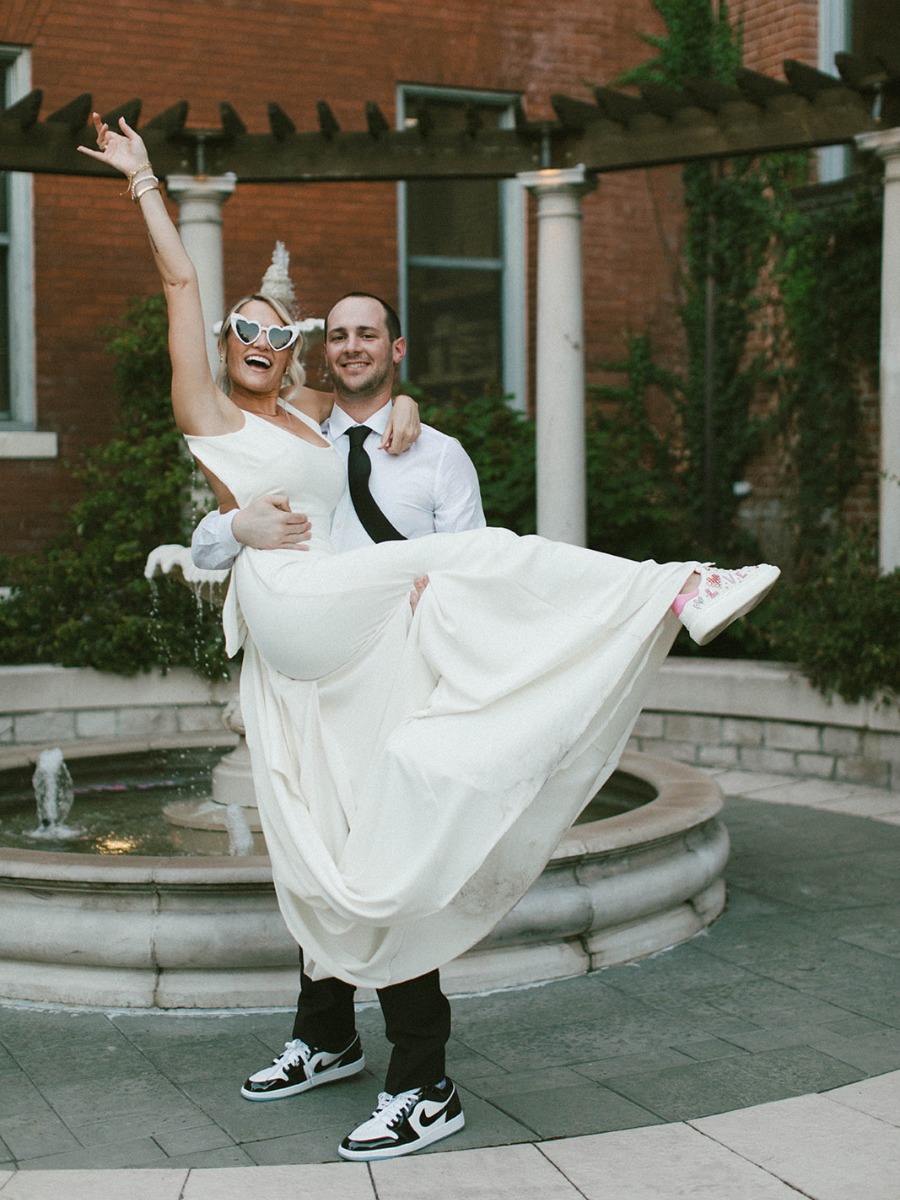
<point x="90" y="251"/>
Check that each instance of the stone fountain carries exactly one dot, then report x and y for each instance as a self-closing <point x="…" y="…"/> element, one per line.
<point x="202" y="932"/>
<point x="205" y="932"/>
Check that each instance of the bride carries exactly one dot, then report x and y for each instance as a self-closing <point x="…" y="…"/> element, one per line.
<point x="413" y="772"/>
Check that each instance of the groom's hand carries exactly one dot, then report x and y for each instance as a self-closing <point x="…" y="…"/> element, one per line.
<point x="269" y="524"/>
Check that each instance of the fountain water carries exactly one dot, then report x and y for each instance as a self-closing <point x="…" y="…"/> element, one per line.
<point x="54" y="794"/>
<point x="230" y="811"/>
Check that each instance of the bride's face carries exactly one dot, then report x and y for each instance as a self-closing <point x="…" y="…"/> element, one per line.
<point x="254" y="366"/>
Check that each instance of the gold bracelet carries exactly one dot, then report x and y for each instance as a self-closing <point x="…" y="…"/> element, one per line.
<point x="152" y="186"/>
<point x="142" y="167"/>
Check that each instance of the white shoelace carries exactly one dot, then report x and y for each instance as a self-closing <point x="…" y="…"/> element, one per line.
<point x="391" y="1108"/>
<point x="294" y="1052"/>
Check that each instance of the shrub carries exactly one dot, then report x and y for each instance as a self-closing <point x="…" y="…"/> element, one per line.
<point x="86" y="602"/>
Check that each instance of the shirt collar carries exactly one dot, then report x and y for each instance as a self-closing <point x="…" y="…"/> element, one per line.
<point x="339" y="421"/>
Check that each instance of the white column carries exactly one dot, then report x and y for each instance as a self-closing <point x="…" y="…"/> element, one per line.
<point x="200" y="199"/>
<point x="560" y="353"/>
<point x="887" y="145"/>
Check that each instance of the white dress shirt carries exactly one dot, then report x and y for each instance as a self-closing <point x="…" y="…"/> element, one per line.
<point x="431" y="488"/>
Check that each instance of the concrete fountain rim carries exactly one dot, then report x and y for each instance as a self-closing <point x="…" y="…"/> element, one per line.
<point x="686" y="798"/>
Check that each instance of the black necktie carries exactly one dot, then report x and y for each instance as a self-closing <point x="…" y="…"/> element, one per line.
<point x="359" y="467"/>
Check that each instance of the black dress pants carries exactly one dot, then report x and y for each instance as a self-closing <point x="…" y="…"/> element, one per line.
<point x="416" y="1022"/>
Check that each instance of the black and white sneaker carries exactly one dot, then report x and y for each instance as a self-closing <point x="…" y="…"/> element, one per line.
<point x="405" y="1123"/>
<point x="302" y="1067"/>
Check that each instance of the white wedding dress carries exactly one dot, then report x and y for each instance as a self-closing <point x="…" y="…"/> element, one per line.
<point x="414" y="774"/>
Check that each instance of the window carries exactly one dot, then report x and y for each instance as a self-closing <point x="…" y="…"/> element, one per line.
<point x="834" y="37"/>
<point x="17" y="408"/>
<point x="869" y="29"/>
<point x="462" y="263"/>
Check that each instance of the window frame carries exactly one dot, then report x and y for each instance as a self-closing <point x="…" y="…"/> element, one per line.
<point x="511" y="264"/>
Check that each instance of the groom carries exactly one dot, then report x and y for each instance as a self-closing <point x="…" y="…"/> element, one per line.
<point x="432" y="488"/>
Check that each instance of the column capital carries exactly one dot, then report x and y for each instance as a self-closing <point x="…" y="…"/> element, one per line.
<point x="885" y="142"/>
<point x="217" y="188"/>
<point x="559" y="179"/>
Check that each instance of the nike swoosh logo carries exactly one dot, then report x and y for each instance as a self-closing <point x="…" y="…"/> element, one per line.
<point x="425" y="1120"/>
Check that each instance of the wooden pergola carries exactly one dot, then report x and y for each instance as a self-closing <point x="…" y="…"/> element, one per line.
<point x="613" y="132"/>
<point x="558" y="160"/>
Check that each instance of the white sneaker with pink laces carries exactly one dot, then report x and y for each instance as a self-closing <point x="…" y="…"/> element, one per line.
<point x="723" y="596"/>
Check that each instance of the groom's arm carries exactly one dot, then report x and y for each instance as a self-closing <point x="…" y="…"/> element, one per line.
<point x="457" y="496"/>
<point x="266" y="524"/>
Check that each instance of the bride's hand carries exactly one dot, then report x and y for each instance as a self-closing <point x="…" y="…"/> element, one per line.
<point x="125" y="151"/>
<point x="403" y="427"/>
<point x="415" y="595"/>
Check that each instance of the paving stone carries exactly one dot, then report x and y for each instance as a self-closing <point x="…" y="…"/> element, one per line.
<point x="878" y="1097"/>
<point x="877" y="929"/>
<point x="872" y="1052"/>
<point x="632" y="1064"/>
<point x="19" y="1096"/>
<point x="34" y="1134"/>
<point x="466" y="1063"/>
<point x="337" y="1181"/>
<point x="94" y="1185"/>
<point x="330" y="1110"/>
<point x="709" y="1049"/>
<point x="194" y="1140"/>
<point x="181" y="1120"/>
<point x="511" y="1082"/>
<point x="690" y="965"/>
<point x="189" y="1052"/>
<point x="851" y="881"/>
<point x="851" y="1027"/>
<point x="570" y="1111"/>
<point x="508" y="1173"/>
<point x="221" y="1156"/>
<point x="316" y="1146"/>
<point x="89" y="1104"/>
<point x="142" y="1152"/>
<point x="856" y="998"/>
<point x="748" y="938"/>
<point x="820" y="1148"/>
<point x="832" y="973"/>
<point x="768" y="1004"/>
<point x="745" y="783"/>
<point x="778" y="1038"/>
<point x="666" y="1161"/>
<point x="679" y="1093"/>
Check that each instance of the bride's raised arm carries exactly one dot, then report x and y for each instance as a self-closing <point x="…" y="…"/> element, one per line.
<point x="199" y="406"/>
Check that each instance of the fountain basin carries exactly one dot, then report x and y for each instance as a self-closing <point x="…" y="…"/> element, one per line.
<point x="206" y="932"/>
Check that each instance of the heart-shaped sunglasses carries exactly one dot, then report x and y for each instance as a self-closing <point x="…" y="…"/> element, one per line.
<point x="279" y="337"/>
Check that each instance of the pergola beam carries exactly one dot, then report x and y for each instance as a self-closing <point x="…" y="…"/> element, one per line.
<point x="615" y="132"/>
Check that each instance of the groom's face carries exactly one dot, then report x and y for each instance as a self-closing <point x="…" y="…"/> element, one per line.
<point x="358" y="349"/>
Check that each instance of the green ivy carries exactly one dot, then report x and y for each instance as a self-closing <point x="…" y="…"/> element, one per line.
<point x="731" y="213"/>
<point x="85" y="602"/>
<point x="828" y="275"/>
<point x="637" y="490"/>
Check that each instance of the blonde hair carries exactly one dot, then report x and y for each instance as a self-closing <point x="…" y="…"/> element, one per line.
<point x="294" y="375"/>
